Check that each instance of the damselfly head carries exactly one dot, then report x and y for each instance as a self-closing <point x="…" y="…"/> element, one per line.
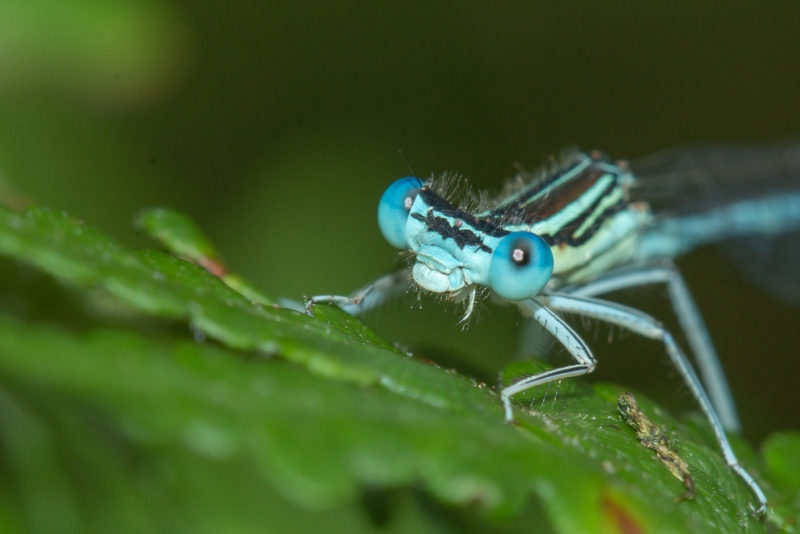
<point x="455" y="249"/>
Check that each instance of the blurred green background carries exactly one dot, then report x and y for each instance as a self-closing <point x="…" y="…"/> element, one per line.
<point x="277" y="126"/>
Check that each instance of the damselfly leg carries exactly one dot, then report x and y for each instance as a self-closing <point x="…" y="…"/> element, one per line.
<point x="567" y="337"/>
<point x="690" y="320"/>
<point x="371" y="296"/>
<point x="644" y="325"/>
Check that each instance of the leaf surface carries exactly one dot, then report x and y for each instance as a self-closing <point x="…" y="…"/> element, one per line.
<point x="341" y="410"/>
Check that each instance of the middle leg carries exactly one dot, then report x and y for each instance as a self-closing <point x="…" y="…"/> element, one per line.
<point x="665" y="272"/>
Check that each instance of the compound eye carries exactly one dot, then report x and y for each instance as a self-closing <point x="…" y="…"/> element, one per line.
<point x="394" y="207"/>
<point x="521" y="266"/>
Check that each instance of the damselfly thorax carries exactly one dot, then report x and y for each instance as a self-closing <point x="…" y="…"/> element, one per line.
<point x="552" y="241"/>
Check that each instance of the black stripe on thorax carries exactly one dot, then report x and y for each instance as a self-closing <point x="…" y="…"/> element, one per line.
<point x="565" y="234"/>
<point x="554" y="176"/>
<point x="555" y="200"/>
<point x="436" y="220"/>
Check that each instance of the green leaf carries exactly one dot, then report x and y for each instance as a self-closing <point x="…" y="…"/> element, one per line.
<point x="341" y="412"/>
<point x="181" y="236"/>
<point x="782" y="455"/>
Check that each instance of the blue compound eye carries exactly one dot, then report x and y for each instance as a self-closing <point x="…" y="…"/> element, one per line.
<point x="521" y="266"/>
<point x="394" y="208"/>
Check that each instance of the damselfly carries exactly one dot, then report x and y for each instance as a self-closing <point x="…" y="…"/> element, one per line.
<point x="554" y="240"/>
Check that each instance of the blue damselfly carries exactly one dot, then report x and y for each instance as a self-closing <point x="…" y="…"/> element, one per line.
<point x="552" y="241"/>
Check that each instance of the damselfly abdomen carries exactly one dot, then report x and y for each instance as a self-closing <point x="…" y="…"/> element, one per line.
<point x="554" y="240"/>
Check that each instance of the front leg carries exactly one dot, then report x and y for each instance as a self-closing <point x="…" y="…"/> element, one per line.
<point x="567" y="337"/>
<point x="369" y="297"/>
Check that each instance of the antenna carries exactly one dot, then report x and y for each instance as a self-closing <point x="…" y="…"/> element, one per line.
<point x="410" y="168"/>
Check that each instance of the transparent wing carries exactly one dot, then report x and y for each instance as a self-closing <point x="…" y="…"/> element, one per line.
<point x="684" y="182"/>
<point x="773" y="264"/>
